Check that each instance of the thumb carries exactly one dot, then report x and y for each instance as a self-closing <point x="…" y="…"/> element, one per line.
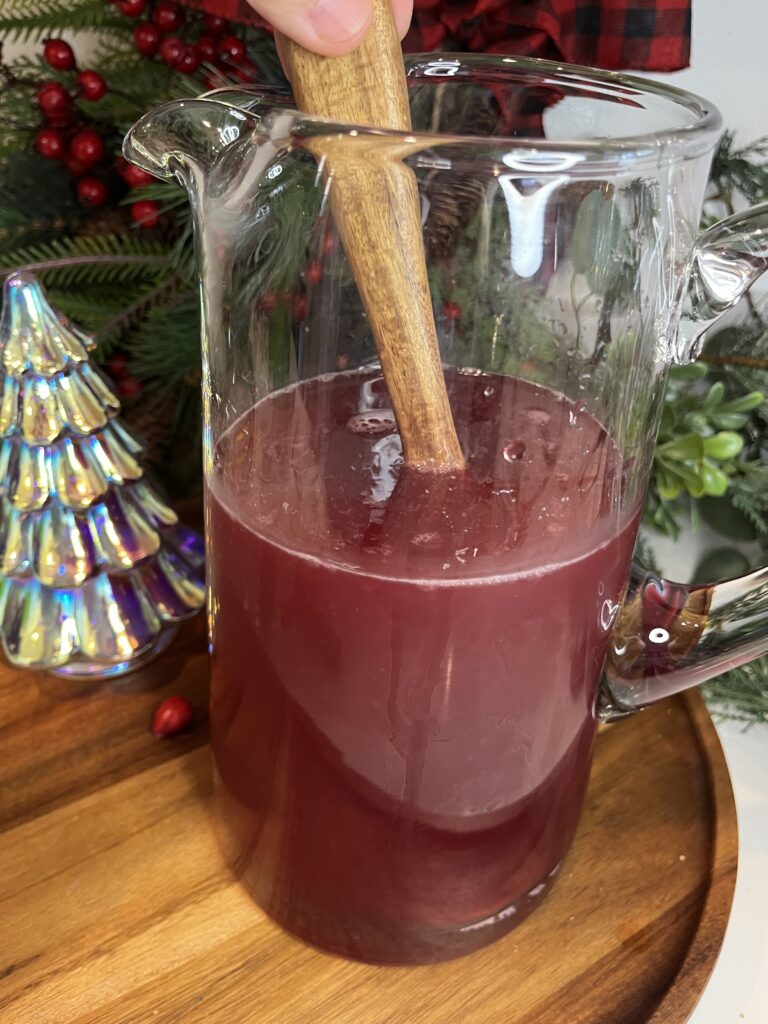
<point x="329" y="27"/>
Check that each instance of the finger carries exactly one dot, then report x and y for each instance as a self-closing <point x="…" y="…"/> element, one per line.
<point x="403" y="10"/>
<point x="329" y="27"/>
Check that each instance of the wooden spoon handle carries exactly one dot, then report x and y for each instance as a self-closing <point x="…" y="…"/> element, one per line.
<point x="375" y="202"/>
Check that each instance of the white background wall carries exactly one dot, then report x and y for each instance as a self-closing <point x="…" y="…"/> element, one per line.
<point x="729" y="62"/>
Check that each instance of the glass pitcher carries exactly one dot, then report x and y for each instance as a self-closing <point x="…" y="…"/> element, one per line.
<point x="406" y="667"/>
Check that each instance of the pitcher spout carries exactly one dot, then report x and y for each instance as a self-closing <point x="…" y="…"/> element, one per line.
<point x="185" y="137"/>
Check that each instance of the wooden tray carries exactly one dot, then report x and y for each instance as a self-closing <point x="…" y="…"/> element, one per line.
<point x="116" y="908"/>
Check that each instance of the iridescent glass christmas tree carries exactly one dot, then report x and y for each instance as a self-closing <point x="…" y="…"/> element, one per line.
<point x="95" y="570"/>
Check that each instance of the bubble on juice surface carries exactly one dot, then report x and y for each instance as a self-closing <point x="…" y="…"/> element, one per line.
<point x="372" y="423"/>
<point x="514" y="451"/>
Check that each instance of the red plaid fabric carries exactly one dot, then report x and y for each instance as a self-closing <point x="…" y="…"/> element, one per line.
<point x="650" y="35"/>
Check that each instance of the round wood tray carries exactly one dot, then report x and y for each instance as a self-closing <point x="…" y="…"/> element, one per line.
<point x="116" y="908"/>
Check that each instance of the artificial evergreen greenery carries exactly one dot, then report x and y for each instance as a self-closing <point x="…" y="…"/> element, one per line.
<point x="135" y="288"/>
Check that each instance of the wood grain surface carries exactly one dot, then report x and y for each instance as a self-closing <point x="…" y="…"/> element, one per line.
<point x="375" y="202"/>
<point x="115" y="907"/>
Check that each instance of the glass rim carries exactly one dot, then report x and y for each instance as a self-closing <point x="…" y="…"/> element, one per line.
<point x="692" y="138"/>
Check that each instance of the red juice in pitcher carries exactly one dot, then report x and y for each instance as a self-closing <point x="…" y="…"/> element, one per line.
<point x="405" y="664"/>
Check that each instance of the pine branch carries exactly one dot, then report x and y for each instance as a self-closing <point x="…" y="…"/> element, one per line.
<point x="90" y="259"/>
<point x="742" y="693"/>
<point x="33" y="19"/>
<point x="93" y="307"/>
<point x="169" y="194"/>
<point x="166" y="345"/>
<point x="135" y="311"/>
<point x="34" y="189"/>
<point x="749" y="494"/>
<point x="741" y="171"/>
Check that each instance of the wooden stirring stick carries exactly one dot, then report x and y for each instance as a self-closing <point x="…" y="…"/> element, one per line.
<point x="375" y="202"/>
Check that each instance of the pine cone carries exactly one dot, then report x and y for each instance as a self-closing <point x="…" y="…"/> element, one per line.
<point x="454" y="200"/>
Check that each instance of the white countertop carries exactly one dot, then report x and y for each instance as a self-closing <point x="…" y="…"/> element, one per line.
<point x="737" y="992"/>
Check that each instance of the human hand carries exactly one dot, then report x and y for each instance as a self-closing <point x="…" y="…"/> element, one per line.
<point x="329" y="27"/>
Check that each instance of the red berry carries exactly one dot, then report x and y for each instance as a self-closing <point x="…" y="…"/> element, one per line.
<point x="452" y="310"/>
<point x="92" y="86"/>
<point x="314" y="273"/>
<point x="329" y="242"/>
<point x="87" y="146"/>
<point x="118" y="366"/>
<point x="145" y="213"/>
<point x="189" y="62"/>
<point x="54" y="101"/>
<point x="300" y="307"/>
<point x="133" y="8"/>
<point x="128" y="387"/>
<point x="215" y="26"/>
<point x="268" y="301"/>
<point x="168" y="15"/>
<point x="91" y="192"/>
<point x="206" y="47"/>
<point x="146" y="38"/>
<point x="136" y="176"/>
<point x="231" y="50"/>
<point x="75" y="167"/>
<point x="172" y="51"/>
<point x="50" y="143"/>
<point x="59" y="55"/>
<point x="173" y="716"/>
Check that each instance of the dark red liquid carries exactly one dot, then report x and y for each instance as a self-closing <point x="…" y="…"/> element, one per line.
<point x="405" y="665"/>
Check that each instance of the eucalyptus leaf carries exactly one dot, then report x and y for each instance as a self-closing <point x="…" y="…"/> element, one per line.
<point x="744" y="404"/>
<point x="724" y="445"/>
<point x="714" y="396"/>
<point x="691" y="478"/>
<point x="698" y="422"/>
<point x="668" y="486"/>
<point x="729" y="420"/>
<point x="688" y="372"/>
<point x="689" y="446"/>
<point x="714" y="480"/>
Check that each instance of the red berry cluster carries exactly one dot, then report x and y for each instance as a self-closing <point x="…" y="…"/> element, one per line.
<point x="185" y="39"/>
<point x="70" y="137"/>
<point x="65" y="136"/>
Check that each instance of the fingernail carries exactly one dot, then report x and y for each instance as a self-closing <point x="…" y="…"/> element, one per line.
<point x="336" y="21"/>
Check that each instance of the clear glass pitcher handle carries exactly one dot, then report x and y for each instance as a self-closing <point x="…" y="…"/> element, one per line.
<point x="670" y="636"/>
<point x="726" y="260"/>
